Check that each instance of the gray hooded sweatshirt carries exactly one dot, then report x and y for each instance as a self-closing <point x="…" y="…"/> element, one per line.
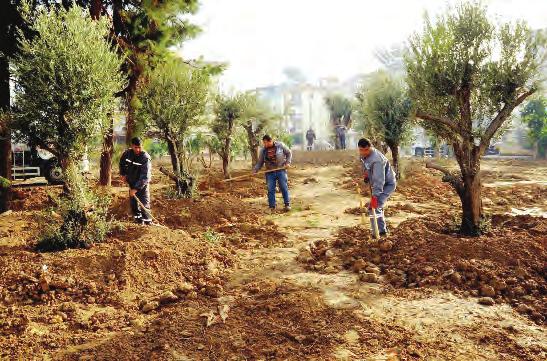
<point x="283" y="157"/>
<point x="379" y="171"/>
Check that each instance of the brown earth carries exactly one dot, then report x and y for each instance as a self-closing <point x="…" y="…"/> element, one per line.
<point x="227" y="282"/>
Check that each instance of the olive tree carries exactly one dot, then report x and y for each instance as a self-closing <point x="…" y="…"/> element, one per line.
<point x="385" y="107"/>
<point x="534" y="115"/>
<point x="173" y="101"/>
<point x="466" y="74"/>
<point x="65" y="80"/>
<point x="229" y="111"/>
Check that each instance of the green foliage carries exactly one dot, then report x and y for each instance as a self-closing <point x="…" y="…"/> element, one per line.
<point x="4" y="183"/>
<point x="172" y="102"/>
<point x="174" y="99"/>
<point x="83" y="219"/>
<point x="534" y="115"/>
<point x="340" y="109"/>
<point x="156" y="148"/>
<point x="464" y="70"/>
<point x="385" y="108"/>
<point x="66" y="77"/>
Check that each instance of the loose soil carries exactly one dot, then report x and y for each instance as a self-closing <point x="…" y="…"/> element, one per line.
<point x="228" y="281"/>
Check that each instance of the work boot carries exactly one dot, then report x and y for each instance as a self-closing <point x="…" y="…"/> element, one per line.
<point x="287" y="208"/>
<point x="273" y="210"/>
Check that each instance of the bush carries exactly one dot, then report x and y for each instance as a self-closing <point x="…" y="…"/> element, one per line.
<point x="82" y="220"/>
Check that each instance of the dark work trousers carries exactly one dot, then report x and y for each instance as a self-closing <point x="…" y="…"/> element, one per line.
<point x="140" y="215"/>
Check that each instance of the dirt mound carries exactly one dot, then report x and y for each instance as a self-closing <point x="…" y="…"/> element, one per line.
<point x="507" y="264"/>
<point x="242" y="188"/>
<point x="221" y="216"/>
<point x="103" y="289"/>
<point x="271" y="321"/>
<point x="34" y="198"/>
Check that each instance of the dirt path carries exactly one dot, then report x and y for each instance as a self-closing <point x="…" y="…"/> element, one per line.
<point x="456" y="328"/>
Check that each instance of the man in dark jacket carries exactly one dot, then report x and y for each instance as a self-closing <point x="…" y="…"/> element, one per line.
<point x="378" y="172"/>
<point x="310" y="137"/>
<point x="135" y="169"/>
<point x="275" y="154"/>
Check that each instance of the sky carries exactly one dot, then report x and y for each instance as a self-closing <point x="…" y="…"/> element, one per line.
<point x="260" y="38"/>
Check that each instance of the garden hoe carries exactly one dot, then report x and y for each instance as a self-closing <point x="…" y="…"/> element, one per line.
<point x="157" y="223"/>
<point x="253" y="174"/>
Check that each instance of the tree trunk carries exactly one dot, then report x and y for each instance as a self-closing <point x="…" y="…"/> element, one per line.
<point x="130" y="118"/>
<point x="5" y="133"/>
<point x="252" y="143"/>
<point x="175" y="164"/>
<point x="395" y="157"/>
<point x="470" y="197"/>
<point x="95" y="9"/>
<point x="105" y="178"/>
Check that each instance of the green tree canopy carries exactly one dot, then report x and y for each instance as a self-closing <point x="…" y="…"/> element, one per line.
<point x="66" y="78"/>
<point x="534" y="115"/>
<point x="173" y="101"/>
<point x="385" y="108"/>
<point x="466" y="74"/>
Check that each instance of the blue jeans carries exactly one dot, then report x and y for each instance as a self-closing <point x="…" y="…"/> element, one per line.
<point x="382" y="198"/>
<point x="279" y="176"/>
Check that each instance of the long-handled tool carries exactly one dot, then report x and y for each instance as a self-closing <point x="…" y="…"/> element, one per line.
<point x="253" y="174"/>
<point x="157" y="224"/>
<point x="375" y="222"/>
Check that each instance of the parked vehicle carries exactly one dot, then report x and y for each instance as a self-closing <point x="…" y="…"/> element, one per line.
<point x="32" y="162"/>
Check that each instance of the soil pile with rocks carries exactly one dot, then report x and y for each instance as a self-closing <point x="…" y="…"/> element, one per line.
<point x="506" y="264"/>
<point x="269" y="321"/>
<point x="88" y="293"/>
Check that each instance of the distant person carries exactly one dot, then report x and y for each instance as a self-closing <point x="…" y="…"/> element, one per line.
<point x="342" y="136"/>
<point x="310" y="137"/>
<point x="378" y="172"/>
<point x="275" y="155"/>
<point x="136" y="169"/>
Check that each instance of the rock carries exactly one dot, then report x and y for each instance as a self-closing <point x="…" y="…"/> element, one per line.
<point x="117" y="253"/>
<point x="56" y="319"/>
<point x="499" y="285"/>
<point x="151" y="253"/>
<point x="63" y="315"/>
<point x="329" y="254"/>
<point x="185" y="287"/>
<point x="456" y="277"/>
<point x="111" y="277"/>
<point x="359" y="265"/>
<point x="304" y="256"/>
<point x="69" y="307"/>
<point x="428" y="269"/>
<point x="168" y="297"/>
<point x="487" y="301"/>
<point x="373" y="269"/>
<point x="385" y="246"/>
<point x="149" y="306"/>
<point x="487" y="291"/>
<point x="136" y="322"/>
<point x="523" y="308"/>
<point x="369" y="277"/>
<point x="213" y="290"/>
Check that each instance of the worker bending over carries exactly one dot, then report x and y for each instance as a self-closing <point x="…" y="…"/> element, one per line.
<point x="135" y="169"/>
<point x="378" y="172"/>
<point x="275" y="155"/>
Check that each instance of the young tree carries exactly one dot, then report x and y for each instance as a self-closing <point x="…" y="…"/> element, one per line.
<point x="386" y="108"/>
<point x="340" y="109"/>
<point x="65" y="81"/>
<point x="465" y="77"/>
<point x="173" y="101"/>
<point x="229" y="111"/>
<point x="534" y="115"/>
<point x="257" y="120"/>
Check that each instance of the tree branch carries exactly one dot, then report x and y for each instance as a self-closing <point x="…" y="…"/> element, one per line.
<point x="444" y="121"/>
<point x="448" y="177"/>
<point x="501" y="117"/>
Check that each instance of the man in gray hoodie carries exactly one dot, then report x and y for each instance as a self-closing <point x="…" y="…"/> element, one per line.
<point x="378" y="172"/>
<point x="275" y="155"/>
